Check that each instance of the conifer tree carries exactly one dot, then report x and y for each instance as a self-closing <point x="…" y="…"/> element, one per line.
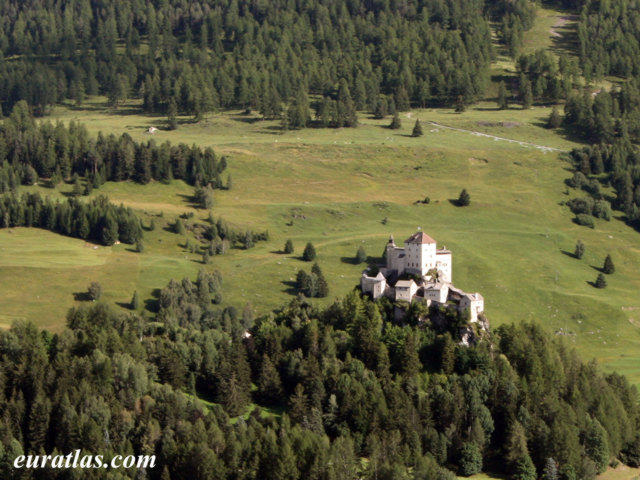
<point x="555" y="120"/>
<point x="464" y="199"/>
<point x="395" y="122"/>
<point x="135" y="301"/>
<point x="288" y="247"/>
<point x="579" y="251"/>
<point x="601" y="282"/>
<point x="361" y="255"/>
<point x="503" y="102"/>
<point x="608" y="266"/>
<point x="309" y="254"/>
<point x="417" y="129"/>
<point x="172" y="114"/>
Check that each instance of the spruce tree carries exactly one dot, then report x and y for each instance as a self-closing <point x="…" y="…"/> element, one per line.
<point x="135" y="301"/>
<point x="464" y="199"/>
<point x="361" y="255"/>
<point x="503" y="103"/>
<point x="527" y="95"/>
<point x="417" y="129"/>
<point x="395" y="122"/>
<point x="555" y="120"/>
<point x="608" y="266"/>
<point x="288" y="247"/>
<point x="172" y="114"/>
<point x="601" y="282"/>
<point x="579" y="251"/>
<point x="309" y="254"/>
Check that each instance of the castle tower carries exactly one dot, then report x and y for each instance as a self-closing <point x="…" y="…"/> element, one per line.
<point x="420" y="253"/>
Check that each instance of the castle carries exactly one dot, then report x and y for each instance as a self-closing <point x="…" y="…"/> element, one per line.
<point x="419" y="272"/>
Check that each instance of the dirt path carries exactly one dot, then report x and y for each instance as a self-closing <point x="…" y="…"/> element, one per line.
<point x="494" y="137"/>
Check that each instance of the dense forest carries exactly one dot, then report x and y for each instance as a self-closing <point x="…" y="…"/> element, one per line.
<point x="97" y="220"/>
<point x="196" y="57"/>
<point x="58" y="152"/>
<point x="360" y="396"/>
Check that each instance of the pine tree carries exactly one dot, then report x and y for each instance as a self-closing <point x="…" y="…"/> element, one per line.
<point x="361" y="255"/>
<point x="395" y="122"/>
<point x="527" y="95"/>
<point x="470" y="459"/>
<point x="460" y="105"/>
<point x="503" y="102"/>
<point x="601" y="282"/>
<point x="309" y="254"/>
<point x="417" y="129"/>
<point x="464" y="199"/>
<point x="135" y="301"/>
<point x="269" y="383"/>
<point x="555" y="120"/>
<point x="172" y="114"/>
<point x="579" y="251"/>
<point x="288" y="247"/>
<point x="525" y="469"/>
<point x="608" y="266"/>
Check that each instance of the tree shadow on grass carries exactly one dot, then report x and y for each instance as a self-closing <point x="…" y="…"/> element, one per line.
<point x="291" y="289"/>
<point x="153" y="304"/>
<point x="455" y="202"/>
<point x="597" y="269"/>
<point x="349" y="260"/>
<point x="569" y="254"/>
<point x="126" y="305"/>
<point x="82" y="297"/>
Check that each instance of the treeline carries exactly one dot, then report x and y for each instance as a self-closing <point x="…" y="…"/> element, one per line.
<point x="619" y="162"/>
<point x="609" y="39"/>
<point x="350" y="384"/>
<point x="258" y="55"/>
<point x="59" y="151"/>
<point x="97" y="220"/>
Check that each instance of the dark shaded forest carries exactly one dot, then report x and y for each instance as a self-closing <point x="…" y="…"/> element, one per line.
<point x="354" y="394"/>
<point x="198" y="56"/>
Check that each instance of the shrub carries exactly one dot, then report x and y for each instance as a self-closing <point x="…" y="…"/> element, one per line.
<point x="602" y="209"/>
<point x="95" y="291"/>
<point x="584" y="220"/>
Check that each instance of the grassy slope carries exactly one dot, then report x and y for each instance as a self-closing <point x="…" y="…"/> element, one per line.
<point x="340" y="184"/>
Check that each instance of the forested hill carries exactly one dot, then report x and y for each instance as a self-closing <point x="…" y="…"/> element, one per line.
<point x="350" y="395"/>
<point x="207" y="54"/>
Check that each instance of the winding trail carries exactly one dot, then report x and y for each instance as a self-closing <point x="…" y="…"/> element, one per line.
<point x="494" y="137"/>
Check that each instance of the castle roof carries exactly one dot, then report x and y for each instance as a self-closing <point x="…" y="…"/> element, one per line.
<point x="419" y="237"/>
<point x="404" y="283"/>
